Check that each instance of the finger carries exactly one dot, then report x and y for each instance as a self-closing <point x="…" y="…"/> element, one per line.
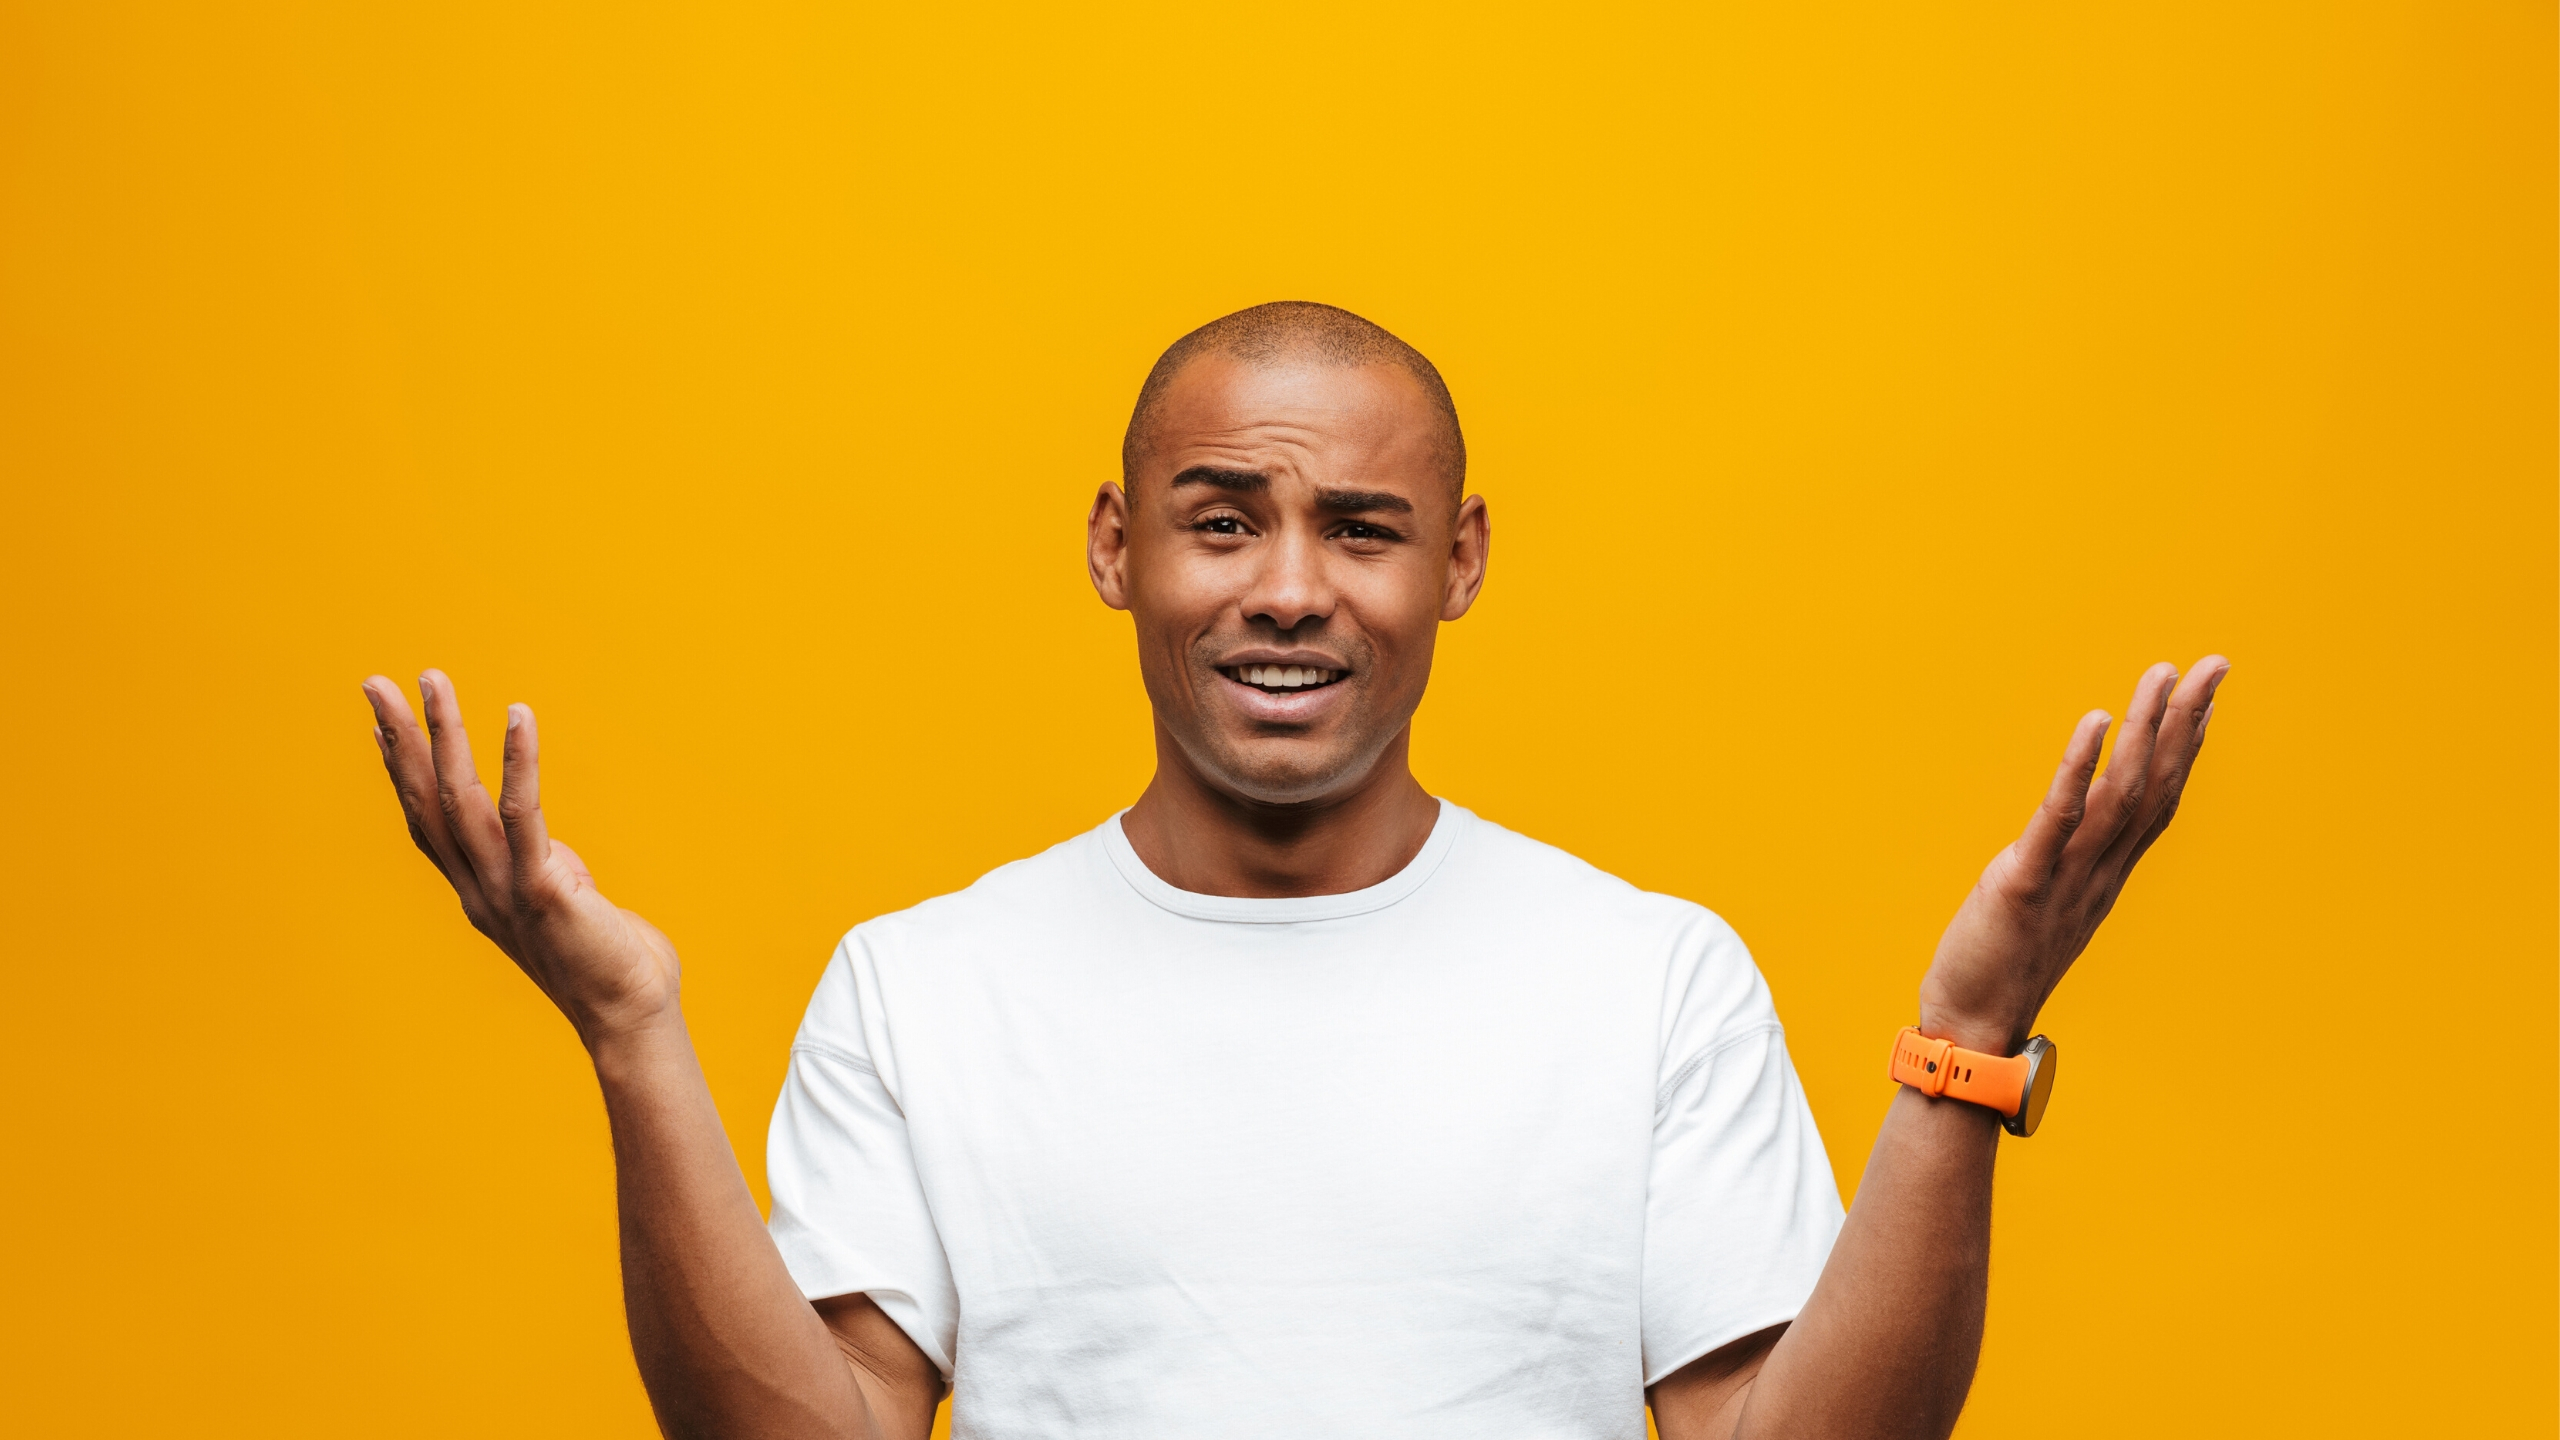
<point x="2066" y="801"/>
<point x="520" y="798"/>
<point x="413" y="775"/>
<point x="2182" y="731"/>
<point x="473" y="821"/>
<point x="2116" y="798"/>
<point x="2181" y="740"/>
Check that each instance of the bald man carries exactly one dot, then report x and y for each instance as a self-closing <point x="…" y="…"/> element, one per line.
<point x="1293" y="1101"/>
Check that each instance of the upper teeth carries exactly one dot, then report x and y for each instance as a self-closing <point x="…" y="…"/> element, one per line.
<point x="1284" y="674"/>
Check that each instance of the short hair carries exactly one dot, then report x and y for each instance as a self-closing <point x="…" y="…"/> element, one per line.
<point x="1283" y="330"/>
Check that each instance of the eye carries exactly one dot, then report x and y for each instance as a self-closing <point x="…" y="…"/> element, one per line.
<point x="1363" y="530"/>
<point x="1223" y="525"/>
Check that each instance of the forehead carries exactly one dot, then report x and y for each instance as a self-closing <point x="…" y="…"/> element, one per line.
<point x="1372" y="417"/>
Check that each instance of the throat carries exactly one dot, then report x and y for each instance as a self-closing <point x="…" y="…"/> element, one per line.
<point x="1195" y="838"/>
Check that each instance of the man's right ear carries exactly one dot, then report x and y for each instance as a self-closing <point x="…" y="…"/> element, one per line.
<point x="1106" y="545"/>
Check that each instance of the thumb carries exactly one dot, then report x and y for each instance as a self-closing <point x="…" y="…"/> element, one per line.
<point x="571" y="866"/>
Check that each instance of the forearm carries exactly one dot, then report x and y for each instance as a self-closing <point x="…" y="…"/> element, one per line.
<point x="1886" y="1346"/>
<point x="726" y="1344"/>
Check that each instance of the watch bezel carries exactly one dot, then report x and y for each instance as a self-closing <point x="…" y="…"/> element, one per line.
<point x="2042" y="1057"/>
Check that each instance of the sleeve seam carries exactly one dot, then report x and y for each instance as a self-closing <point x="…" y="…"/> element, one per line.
<point x="829" y="1052"/>
<point x="1715" y="1047"/>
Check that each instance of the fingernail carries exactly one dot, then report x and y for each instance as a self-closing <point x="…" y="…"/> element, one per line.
<point x="515" y="716"/>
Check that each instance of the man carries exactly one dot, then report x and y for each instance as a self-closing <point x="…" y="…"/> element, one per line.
<point x="1293" y="1101"/>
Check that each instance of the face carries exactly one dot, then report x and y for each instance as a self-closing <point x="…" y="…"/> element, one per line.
<point x="1288" y="556"/>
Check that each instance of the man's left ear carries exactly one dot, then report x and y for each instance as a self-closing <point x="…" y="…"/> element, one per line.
<point x="1470" y="547"/>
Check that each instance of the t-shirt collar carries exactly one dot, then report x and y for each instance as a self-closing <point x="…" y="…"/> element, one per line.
<point x="1293" y="909"/>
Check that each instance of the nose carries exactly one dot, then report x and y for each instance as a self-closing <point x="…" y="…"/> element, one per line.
<point x="1291" y="586"/>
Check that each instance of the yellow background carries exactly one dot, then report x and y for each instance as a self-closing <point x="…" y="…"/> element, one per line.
<point x="1860" y="394"/>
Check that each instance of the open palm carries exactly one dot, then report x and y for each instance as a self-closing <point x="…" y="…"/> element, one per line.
<point x="604" y="966"/>
<point x="2040" y="900"/>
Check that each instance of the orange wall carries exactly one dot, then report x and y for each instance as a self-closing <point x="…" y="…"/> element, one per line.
<point x="1860" y="395"/>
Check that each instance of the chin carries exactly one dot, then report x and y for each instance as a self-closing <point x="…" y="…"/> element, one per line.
<point x="1286" y="773"/>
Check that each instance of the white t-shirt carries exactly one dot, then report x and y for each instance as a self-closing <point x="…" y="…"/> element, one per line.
<point x="1476" y="1152"/>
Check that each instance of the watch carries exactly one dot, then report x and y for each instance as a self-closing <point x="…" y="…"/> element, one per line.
<point x="2019" y="1087"/>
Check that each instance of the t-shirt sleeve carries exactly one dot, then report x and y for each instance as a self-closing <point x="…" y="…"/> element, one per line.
<point x="1742" y="1209"/>
<point x="849" y="1212"/>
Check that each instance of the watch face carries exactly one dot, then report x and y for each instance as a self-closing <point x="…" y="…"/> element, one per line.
<point x="2043" y="1059"/>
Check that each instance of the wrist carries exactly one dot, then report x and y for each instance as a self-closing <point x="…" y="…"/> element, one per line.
<point x="634" y="1045"/>
<point x="1988" y="1037"/>
<point x="627" y="1018"/>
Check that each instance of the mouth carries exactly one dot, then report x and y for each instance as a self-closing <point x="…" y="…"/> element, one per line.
<point x="1282" y="679"/>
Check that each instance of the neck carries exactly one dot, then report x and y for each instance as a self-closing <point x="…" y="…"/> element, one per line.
<point x="1198" y="837"/>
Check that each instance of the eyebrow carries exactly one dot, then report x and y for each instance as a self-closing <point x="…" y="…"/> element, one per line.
<point x="1254" y="482"/>
<point x="1247" y="481"/>
<point x="1355" y="502"/>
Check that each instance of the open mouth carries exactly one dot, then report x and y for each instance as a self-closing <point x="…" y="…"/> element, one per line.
<point x="1281" y="679"/>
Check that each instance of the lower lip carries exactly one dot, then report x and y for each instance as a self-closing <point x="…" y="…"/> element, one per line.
<point x="1289" y="705"/>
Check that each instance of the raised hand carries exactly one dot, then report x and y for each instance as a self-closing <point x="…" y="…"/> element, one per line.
<point x="607" y="969"/>
<point x="2040" y="900"/>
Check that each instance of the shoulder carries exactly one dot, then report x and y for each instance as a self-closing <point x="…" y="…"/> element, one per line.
<point x="1506" y="867"/>
<point x="993" y="917"/>
<point x="1711" y="988"/>
<point x="1037" y="890"/>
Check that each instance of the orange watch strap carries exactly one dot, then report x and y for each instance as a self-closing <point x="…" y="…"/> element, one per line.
<point x="1942" y="1067"/>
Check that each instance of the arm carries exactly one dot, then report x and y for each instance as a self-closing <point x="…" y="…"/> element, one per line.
<point x="725" y="1343"/>
<point x="1886" y="1346"/>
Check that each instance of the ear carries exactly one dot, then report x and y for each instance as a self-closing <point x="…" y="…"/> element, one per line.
<point x="1106" y="545"/>
<point x="1470" y="548"/>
